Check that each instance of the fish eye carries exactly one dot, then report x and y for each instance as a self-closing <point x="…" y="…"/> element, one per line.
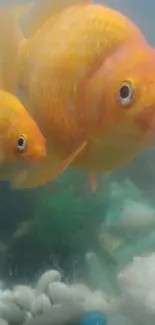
<point x="126" y="93"/>
<point x="21" y="143"/>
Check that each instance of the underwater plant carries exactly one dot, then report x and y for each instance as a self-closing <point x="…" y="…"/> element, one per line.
<point x="65" y="218"/>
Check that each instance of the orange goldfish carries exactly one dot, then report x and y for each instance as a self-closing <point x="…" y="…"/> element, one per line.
<point x="88" y="76"/>
<point x="21" y="142"/>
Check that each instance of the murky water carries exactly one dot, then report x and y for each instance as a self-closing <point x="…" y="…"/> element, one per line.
<point x="98" y="248"/>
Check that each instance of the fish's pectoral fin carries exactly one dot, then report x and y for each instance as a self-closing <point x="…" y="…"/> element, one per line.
<point x="41" y="11"/>
<point x="18" y="179"/>
<point x="11" y="39"/>
<point x="47" y="171"/>
<point x="71" y="158"/>
<point x="2" y="157"/>
<point x="37" y="176"/>
<point x="93" y="181"/>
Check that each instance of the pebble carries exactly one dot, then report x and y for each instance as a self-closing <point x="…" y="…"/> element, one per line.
<point x="47" y="278"/>
<point x="96" y="301"/>
<point x="61" y="293"/>
<point x="59" y="315"/>
<point x="119" y="319"/>
<point x="23" y="296"/>
<point x="3" y="322"/>
<point x="40" y="305"/>
<point x="11" y="313"/>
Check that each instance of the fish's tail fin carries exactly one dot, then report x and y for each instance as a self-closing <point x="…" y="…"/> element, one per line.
<point x="11" y="39"/>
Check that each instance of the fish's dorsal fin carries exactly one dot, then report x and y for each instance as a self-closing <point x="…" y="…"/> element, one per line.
<point x="42" y="10"/>
<point x="11" y="39"/>
<point x="19" y="11"/>
<point x="1" y="80"/>
<point x="18" y="179"/>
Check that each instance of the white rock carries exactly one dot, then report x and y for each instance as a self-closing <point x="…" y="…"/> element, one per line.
<point x="140" y="273"/>
<point x="137" y="284"/>
<point x="96" y="301"/>
<point x="137" y="216"/>
<point x="80" y="291"/>
<point x="60" y="293"/>
<point x="47" y="278"/>
<point x="119" y="319"/>
<point x="149" y="301"/>
<point x="40" y="305"/>
<point x="23" y="296"/>
<point x="6" y="295"/>
<point x="11" y="313"/>
<point x="114" y="305"/>
<point x="3" y="322"/>
<point x="28" y="316"/>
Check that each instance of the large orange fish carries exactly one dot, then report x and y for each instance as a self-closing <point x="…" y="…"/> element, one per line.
<point x="21" y="142"/>
<point x="88" y="76"/>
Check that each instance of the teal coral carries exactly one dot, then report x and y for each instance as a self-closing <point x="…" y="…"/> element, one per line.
<point x="66" y="218"/>
<point x="70" y="220"/>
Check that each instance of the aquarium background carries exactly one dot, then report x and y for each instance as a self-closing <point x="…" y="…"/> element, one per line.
<point x="89" y="237"/>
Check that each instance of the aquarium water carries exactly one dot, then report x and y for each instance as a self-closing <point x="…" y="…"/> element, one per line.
<point x="69" y="255"/>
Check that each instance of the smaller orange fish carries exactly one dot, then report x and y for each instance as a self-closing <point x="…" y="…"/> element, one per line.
<point x="21" y="141"/>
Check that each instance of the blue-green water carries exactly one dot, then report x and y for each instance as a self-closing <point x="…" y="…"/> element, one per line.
<point x="104" y="240"/>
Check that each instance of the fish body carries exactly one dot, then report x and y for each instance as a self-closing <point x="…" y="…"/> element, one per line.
<point x="88" y="76"/>
<point x="21" y="142"/>
<point x="72" y="84"/>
